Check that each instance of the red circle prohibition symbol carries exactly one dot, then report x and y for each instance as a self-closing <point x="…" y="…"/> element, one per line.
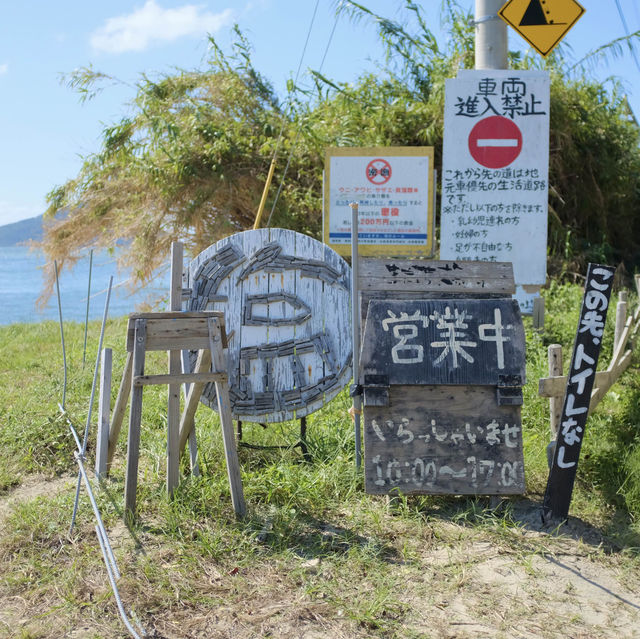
<point x="495" y="142"/>
<point x="378" y="171"/>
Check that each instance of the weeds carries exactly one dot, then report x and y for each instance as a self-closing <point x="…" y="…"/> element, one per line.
<point x="313" y="546"/>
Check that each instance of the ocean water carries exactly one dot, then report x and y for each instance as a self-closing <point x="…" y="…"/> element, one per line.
<point x="21" y="283"/>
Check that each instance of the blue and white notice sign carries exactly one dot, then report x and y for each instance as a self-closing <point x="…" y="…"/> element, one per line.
<point x="393" y="187"/>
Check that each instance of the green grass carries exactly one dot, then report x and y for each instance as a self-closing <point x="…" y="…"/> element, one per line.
<point x="311" y="534"/>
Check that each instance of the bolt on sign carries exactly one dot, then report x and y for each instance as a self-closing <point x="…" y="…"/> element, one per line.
<point x="442" y="392"/>
<point x="394" y="189"/>
<point x="285" y="298"/>
<point x="542" y="23"/>
<point x="582" y="374"/>
<point x="495" y="171"/>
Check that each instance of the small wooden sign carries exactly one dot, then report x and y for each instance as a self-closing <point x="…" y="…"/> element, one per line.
<point x="575" y="409"/>
<point x="389" y="279"/>
<point x="443" y="440"/>
<point x="452" y="341"/>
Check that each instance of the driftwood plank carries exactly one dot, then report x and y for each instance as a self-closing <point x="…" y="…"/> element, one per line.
<point x="226" y="420"/>
<point x="173" y="422"/>
<point x="135" y="418"/>
<point x="173" y="329"/>
<point x="179" y="378"/>
<point x="172" y="315"/>
<point x="555" y="386"/>
<point x="164" y="332"/>
<point x="193" y="396"/>
<point x="448" y="276"/>
<point x="119" y="409"/>
<point x="443" y="440"/>
<point x="602" y="388"/>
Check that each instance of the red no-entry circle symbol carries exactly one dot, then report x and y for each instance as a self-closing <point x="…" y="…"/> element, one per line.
<point x="378" y="171"/>
<point x="495" y="142"/>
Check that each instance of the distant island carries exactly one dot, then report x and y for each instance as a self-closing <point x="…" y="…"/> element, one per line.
<point x="22" y="231"/>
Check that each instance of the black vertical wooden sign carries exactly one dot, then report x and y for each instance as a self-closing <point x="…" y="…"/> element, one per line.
<point x="582" y="373"/>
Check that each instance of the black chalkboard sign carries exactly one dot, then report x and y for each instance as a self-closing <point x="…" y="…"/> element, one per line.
<point x="444" y="341"/>
<point x="580" y="379"/>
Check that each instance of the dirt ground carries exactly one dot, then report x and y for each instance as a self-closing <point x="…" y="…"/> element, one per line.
<point x="542" y="583"/>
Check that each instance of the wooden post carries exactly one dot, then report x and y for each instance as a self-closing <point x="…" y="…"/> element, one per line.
<point x="193" y="445"/>
<point x="226" y="420"/>
<point x="175" y="368"/>
<point x="193" y="399"/>
<point x="119" y="409"/>
<point x="621" y="318"/>
<point x="554" y="354"/>
<point x="538" y="313"/>
<point x="355" y="329"/>
<point x="135" y="417"/>
<point x="104" y="406"/>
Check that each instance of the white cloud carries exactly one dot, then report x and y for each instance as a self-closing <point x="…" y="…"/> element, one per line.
<point x="150" y="24"/>
<point x="4" y="68"/>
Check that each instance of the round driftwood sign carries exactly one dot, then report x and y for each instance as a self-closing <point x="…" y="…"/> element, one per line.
<point x="285" y="297"/>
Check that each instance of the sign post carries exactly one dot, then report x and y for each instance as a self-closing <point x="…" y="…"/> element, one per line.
<point x="575" y="409"/>
<point x="355" y="330"/>
<point x="495" y="172"/>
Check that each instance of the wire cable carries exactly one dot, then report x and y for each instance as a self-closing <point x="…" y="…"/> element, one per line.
<point x="295" y="141"/>
<point x="286" y="111"/>
<point x="626" y="29"/>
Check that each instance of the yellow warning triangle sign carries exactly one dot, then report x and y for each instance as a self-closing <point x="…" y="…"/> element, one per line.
<point x="542" y="23"/>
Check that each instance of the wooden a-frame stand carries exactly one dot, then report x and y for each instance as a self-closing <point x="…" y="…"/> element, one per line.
<point x="175" y="331"/>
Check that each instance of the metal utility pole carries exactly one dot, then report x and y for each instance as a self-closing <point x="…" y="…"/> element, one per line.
<point x="491" y="35"/>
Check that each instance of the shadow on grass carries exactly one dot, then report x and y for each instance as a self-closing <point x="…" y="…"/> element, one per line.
<point x="526" y="514"/>
<point x="312" y="538"/>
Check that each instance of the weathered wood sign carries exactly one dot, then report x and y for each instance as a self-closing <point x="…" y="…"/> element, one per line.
<point x="455" y="341"/>
<point x="441" y="372"/>
<point x="580" y="380"/>
<point x="448" y="277"/>
<point x="285" y="297"/>
<point x="436" y="440"/>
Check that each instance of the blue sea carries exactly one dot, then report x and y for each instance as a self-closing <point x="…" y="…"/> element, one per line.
<point x="21" y="283"/>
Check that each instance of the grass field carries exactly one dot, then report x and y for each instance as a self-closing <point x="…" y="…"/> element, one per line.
<point x="316" y="557"/>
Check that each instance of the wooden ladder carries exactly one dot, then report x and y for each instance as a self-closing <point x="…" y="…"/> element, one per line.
<point x="175" y="331"/>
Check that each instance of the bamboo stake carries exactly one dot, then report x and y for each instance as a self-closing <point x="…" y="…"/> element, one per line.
<point x="265" y="191"/>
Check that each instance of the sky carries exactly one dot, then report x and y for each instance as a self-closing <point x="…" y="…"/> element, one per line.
<point x="45" y="129"/>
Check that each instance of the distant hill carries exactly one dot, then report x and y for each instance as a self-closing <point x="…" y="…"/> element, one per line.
<point x="18" y="232"/>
